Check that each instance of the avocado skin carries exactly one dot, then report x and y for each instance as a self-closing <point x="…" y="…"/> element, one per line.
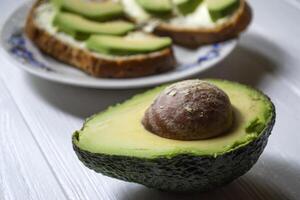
<point x="181" y="173"/>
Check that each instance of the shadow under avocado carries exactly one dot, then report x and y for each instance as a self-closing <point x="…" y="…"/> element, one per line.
<point x="258" y="184"/>
<point x="248" y="63"/>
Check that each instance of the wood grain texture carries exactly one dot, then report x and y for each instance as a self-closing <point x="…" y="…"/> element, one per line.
<point x="24" y="170"/>
<point x="38" y="117"/>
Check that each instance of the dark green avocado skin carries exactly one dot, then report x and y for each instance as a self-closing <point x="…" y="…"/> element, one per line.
<point x="180" y="173"/>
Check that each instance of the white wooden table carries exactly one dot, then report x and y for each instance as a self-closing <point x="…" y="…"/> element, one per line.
<point x="37" y="119"/>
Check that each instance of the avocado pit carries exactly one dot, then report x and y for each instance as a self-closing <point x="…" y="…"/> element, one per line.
<point x="189" y="110"/>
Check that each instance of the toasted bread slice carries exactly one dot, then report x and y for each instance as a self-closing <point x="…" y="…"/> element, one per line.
<point x="96" y="64"/>
<point x="194" y="37"/>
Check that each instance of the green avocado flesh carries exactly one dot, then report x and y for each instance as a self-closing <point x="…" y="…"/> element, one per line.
<point x="187" y="6"/>
<point x="221" y="8"/>
<point x="75" y="24"/>
<point x="118" y="130"/>
<point x="95" y="10"/>
<point x="114" y="45"/>
<point x="156" y="6"/>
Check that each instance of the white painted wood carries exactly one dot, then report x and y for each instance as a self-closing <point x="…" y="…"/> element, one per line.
<point x="24" y="172"/>
<point x="47" y="113"/>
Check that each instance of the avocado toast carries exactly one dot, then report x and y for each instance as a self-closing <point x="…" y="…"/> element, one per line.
<point x="193" y="23"/>
<point x="62" y="29"/>
<point x="51" y="31"/>
<point x="193" y="135"/>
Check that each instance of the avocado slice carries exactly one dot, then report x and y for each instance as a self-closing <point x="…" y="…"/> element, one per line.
<point x="76" y="35"/>
<point x="124" y="149"/>
<point x="159" y="7"/>
<point x="76" y="25"/>
<point x="114" y="45"/>
<point x="187" y="6"/>
<point x="101" y="11"/>
<point x="221" y="8"/>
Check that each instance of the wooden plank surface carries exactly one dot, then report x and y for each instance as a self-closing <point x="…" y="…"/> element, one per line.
<point x="38" y="117"/>
<point x="24" y="171"/>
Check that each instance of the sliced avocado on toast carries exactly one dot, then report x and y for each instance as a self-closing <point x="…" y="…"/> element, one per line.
<point x="77" y="25"/>
<point x="114" y="45"/>
<point x="221" y="8"/>
<point x="102" y="11"/>
<point x="192" y="25"/>
<point x="126" y="150"/>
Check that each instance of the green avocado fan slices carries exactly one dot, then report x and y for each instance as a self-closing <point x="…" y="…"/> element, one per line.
<point x="116" y="143"/>
<point x="74" y="24"/>
<point x="115" y="45"/>
<point x="102" y="11"/>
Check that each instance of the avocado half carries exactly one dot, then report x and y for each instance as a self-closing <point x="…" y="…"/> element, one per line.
<point x="115" y="143"/>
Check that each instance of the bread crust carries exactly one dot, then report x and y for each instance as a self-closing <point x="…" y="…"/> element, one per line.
<point x="93" y="63"/>
<point x="195" y="37"/>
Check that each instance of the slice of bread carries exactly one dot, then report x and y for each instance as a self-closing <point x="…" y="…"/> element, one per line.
<point x="96" y="64"/>
<point x="195" y="37"/>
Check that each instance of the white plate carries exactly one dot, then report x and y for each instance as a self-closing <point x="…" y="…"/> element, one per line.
<point x="29" y="58"/>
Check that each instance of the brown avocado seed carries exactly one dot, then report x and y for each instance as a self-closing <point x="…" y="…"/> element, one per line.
<point x="189" y="110"/>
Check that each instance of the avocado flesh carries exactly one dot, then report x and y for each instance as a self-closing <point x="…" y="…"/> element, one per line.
<point x="101" y="11"/>
<point x="109" y="133"/>
<point x="114" y="45"/>
<point x="187" y="6"/>
<point x="76" y="35"/>
<point x="156" y="6"/>
<point x="76" y="24"/>
<point x="221" y="8"/>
